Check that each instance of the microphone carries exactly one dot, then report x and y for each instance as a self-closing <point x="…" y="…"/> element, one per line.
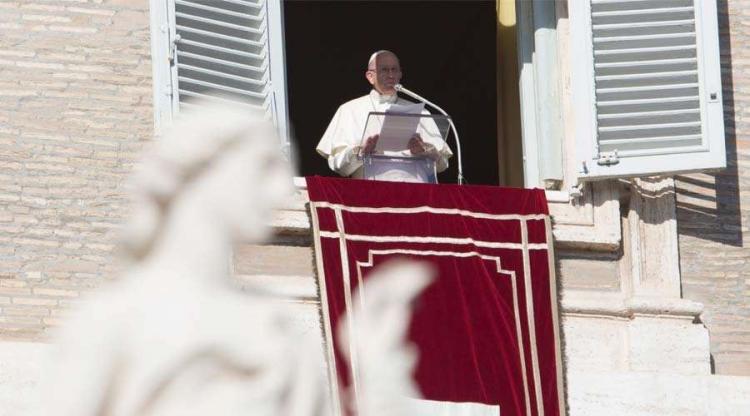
<point x="412" y="94"/>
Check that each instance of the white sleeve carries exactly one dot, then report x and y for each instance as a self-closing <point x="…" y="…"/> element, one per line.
<point x="435" y="147"/>
<point x="440" y="156"/>
<point x="339" y="145"/>
<point x="344" y="160"/>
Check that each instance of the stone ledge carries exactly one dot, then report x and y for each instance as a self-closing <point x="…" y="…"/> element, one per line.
<point x="579" y="302"/>
<point x="595" y="304"/>
<point x="292" y="288"/>
<point x="292" y="222"/>
<point x="648" y="394"/>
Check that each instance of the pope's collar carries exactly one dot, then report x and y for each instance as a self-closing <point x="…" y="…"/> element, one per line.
<point x="382" y="98"/>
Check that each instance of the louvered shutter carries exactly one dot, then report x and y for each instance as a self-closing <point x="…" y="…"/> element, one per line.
<point x="647" y="87"/>
<point x="223" y="50"/>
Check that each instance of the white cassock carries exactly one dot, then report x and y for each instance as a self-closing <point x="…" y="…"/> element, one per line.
<point x="341" y="141"/>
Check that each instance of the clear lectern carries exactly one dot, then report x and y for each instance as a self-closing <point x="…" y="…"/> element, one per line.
<point x="392" y="160"/>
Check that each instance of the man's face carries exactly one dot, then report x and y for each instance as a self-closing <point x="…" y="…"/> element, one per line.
<point x="386" y="74"/>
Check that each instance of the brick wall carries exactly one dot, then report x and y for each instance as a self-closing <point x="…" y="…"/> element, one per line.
<point x="713" y="210"/>
<point x="75" y="109"/>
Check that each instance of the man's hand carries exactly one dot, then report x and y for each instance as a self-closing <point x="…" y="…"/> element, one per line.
<point x="370" y="144"/>
<point x="416" y="145"/>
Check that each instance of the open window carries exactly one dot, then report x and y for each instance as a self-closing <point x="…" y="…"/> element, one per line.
<point x="646" y="87"/>
<point x="299" y="65"/>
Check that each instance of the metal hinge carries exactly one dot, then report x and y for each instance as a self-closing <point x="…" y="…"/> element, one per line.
<point x="608" y="158"/>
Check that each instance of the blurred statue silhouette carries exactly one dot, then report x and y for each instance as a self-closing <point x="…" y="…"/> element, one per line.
<point x="173" y="336"/>
<point x="385" y="362"/>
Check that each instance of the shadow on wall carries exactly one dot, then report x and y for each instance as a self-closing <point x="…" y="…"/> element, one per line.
<point x="708" y="204"/>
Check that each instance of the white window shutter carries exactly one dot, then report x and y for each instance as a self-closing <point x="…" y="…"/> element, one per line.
<point x="646" y="87"/>
<point x="222" y="50"/>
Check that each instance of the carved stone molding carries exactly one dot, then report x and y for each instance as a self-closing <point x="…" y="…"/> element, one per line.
<point x="591" y="222"/>
<point x="652" y="262"/>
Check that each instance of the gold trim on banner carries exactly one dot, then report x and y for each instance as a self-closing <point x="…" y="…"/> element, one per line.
<point x="353" y="341"/>
<point x="435" y="240"/>
<point x="530" y="318"/>
<point x="431" y="210"/>
<point x="330" y="356"/>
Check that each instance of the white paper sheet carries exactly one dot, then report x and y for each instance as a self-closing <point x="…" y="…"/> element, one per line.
<point x="397" y="131"/>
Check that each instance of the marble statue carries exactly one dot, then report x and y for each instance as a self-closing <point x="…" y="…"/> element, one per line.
<point x="172" y="335"/>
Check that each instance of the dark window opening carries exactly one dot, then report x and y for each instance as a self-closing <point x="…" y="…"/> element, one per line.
<point x="448" y="54"/>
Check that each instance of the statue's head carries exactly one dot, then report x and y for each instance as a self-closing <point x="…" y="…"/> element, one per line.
<point x="223" y="162"/>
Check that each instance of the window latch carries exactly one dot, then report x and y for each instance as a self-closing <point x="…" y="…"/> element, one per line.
<point x="608" y="158"/>
<point x="173" y="48"/>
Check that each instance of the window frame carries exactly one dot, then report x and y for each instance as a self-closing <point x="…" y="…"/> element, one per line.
<point x="542" y="124"/>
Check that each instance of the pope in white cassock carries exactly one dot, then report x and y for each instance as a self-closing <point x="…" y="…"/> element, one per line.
<point x="342" y="142"/>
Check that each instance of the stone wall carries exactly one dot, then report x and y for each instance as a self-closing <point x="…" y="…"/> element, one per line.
<point x="713" y="211"/>
<point x="75" y="110"/>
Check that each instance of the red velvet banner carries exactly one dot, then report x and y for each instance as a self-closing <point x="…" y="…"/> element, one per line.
<point x="487" y="328"/>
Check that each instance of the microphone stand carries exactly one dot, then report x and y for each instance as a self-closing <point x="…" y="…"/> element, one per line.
<point x="412" y="94"/>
